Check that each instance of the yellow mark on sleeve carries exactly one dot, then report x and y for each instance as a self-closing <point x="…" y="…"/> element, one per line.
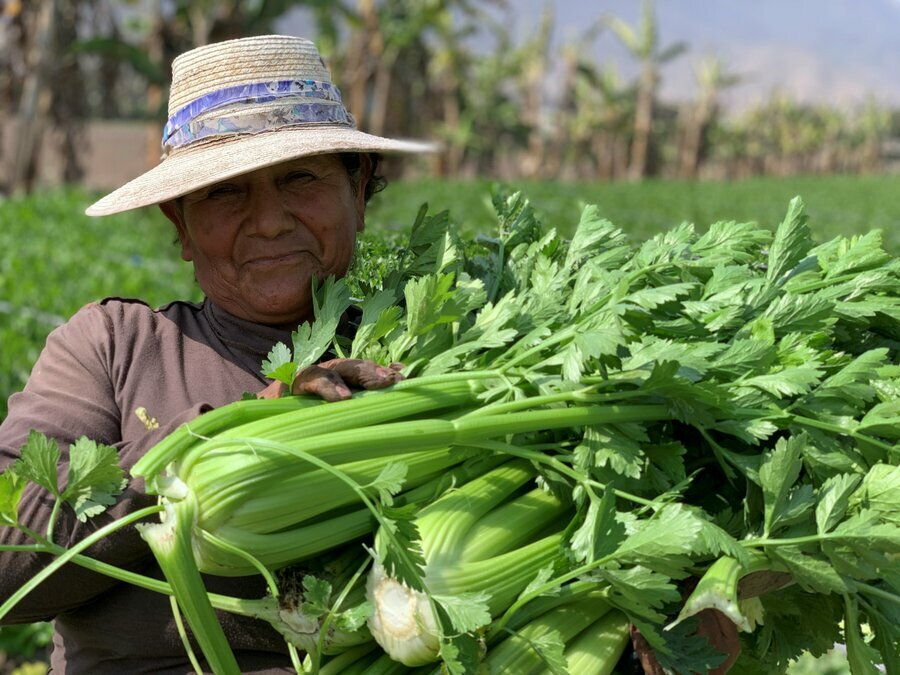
<point x="144" y="417"/>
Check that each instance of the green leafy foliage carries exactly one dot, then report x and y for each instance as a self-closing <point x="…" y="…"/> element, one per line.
<point x="93" y="479"/>
<point x="751" y="387"/>
<point x="772" y="358"/>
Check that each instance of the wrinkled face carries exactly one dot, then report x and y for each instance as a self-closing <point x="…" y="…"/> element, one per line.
<point x="258" y="240"/>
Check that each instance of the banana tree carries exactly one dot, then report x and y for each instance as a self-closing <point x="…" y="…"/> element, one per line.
<point x="712" y="77"/>
<point x="642" y="41"/>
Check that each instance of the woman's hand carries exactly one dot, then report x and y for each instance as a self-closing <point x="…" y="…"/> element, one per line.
<point x="717" y="628"/>
<point x="334" y="380"/>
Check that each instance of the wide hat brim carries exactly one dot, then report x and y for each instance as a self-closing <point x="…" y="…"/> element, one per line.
<point x="207" y="162"/>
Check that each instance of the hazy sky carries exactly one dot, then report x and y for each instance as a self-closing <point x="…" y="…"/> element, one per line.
<point x="835" y="51"/>
<point x="838" y="51"/>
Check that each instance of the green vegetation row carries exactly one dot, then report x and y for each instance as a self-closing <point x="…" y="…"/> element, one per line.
<point x="53" y="259"/>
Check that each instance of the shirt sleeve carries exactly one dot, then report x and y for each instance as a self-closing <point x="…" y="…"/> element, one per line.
<point x="69" y="395"/>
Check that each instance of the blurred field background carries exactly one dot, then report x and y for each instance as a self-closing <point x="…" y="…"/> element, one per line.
<point x="516" y="97"/>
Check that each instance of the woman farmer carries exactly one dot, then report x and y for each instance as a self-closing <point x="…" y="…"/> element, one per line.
<point x="266" y="180"/>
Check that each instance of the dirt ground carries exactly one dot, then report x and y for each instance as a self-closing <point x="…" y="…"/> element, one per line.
<point x="113" y="153"/>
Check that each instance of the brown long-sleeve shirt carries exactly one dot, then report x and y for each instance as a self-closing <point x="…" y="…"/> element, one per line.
<point x="95" y="371"/>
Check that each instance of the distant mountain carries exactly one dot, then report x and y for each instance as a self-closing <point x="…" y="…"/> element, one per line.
<point x="816" y="51"/>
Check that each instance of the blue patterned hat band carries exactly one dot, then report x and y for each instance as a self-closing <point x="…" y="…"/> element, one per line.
<point x="297" y="102"/>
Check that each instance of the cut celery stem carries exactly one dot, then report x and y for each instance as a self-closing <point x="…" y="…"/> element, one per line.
<point x="433" y="433"/>
<point x="278" y="549"/>
<point x="363" y="409"/>
<point x="373" y="408"/>
<point x="717" y="589"/>
<point x="280" y="508"/>
<point x="170" y="542"/>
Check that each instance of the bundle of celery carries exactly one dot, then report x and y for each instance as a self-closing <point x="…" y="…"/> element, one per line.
<point x="589" y="426"/>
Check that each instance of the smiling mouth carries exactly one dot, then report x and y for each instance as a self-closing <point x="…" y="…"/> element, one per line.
<point x="279" y="259"/>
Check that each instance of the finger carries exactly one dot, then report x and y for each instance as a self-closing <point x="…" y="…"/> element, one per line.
<point x="322" y="382"/>
<point x="759" y="583"/>
<point x="363" y="374"/>
<point x="722" y="634"/>
<point x="275" y="389"/>
<point x="645" y="654"/>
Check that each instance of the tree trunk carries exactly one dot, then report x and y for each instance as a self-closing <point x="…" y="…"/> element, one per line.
<point x="694" y="133"/>
<point x="643" y="125"/>
<point x="156" y="52"/>
<point x="364" y="48"/>
<point x="381" y="92"/>
<point x="36" y="99"/>
<point x="68" y="109"/>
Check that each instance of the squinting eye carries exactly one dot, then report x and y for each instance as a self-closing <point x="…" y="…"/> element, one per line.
<point x="298" y="176"/>
<point x="221" y="192"/>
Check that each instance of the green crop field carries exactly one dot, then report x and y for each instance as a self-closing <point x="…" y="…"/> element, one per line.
<point x="53" y="259"/>
<point x="838" y="205"/>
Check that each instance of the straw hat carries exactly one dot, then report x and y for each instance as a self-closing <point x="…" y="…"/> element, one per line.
<point x="241" y="105"/>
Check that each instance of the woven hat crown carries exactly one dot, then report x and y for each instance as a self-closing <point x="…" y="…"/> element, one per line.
<point x="241" y="105"/>
<point x="231" y="63"/>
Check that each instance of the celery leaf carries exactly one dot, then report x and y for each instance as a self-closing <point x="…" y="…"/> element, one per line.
<point x="544" y="575"/>
<point x="38" y="462"/>
<point x="11" y="487"/>
<point x="778" y="471"/>
<point x="791" y="244"/>
<point x="833" y="500"/>
<point x="380" y="315"/>
<point x="461" y="654"/>
<point x="467" y="611"/>
<point x="316" y="596"/>
<point x="640" y="592"/>
<point x="403" y="558"/>
<point x="880" y="492"/>
<point x="673" y="531"/>
<point x="352" y="619"/>
<point x="312" y="340"/>
<point x="95" y="478"/>
<point x="390" y="481"/>
<point x="811" y="573"/>
<point x="279" y="365"/>
<point x="551" y="648"/>
<point x="786" y="383"/>
<point x="685" y="651"/>
<point x="600" y="533"/>
<point x="861" y="656"/>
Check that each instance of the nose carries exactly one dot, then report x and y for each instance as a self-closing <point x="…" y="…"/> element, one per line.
<point x="267" y="215"/>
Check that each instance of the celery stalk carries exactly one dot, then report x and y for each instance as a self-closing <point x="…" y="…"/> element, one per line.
<point x="598" y="648"/>
<point x="512" y="525"/>
<point x="403" y="621"/>
<point x="517" y="653"/>
<point x="170" y="542"/>
<point x="717" y="589"/>
<point x="348" y="660"/>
